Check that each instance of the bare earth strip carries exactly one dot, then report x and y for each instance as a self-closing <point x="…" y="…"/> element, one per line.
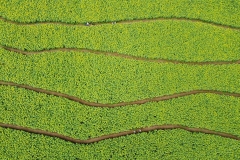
<point x="126" y="22"/>
<point x="115" y="135"/>
<point x="120" y="104"/>
<point x="115" y="54"/>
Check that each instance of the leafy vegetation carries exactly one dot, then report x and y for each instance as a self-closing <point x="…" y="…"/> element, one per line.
<point x="220" y="11"/>
<point x="106" y="79"/>
<point x="168" y="144"/>
<point x="35" y="110"/>
<point x="174" y="40"/>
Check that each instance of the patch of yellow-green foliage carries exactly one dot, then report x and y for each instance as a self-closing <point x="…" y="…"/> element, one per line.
<point x="174" y="40"/>
<point x="219" y="11"/>
<point x="208" y="31"/>
<point x="55" y="114"/>
<point x="168" y="144"/>
<point x="106" y="79"/>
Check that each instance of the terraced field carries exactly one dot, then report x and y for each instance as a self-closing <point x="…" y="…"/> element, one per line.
<point x="120" y="79"/>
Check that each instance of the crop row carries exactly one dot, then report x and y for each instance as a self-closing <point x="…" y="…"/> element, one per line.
<point x="220" y="11"/>
<point x="168" y="144"/>
<point x="167" y="39"/>
<point x="120" y="104"/>
<point x="106" y="79"/>
<point x="118" y="55"/>
<point x="54" y="114"/>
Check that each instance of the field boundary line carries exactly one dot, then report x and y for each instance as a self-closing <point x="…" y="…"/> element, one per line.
<point x="124" y="133"/>
<point x="124" y="22"/>
<point x="116" y="54"/>
<point x="120" y="104"/>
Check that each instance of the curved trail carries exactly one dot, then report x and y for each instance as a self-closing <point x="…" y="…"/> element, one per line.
<point x="138" y="102"/>
<point x="115" y="135"/>
<point x="115" y="54"/>
<point x="125" y="22"/>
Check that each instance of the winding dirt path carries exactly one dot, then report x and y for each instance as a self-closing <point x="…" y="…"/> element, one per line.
<point x="115" y="54"/>
<point x="138" y="102"/>
<point x="124" y="133"/>
<point x="126" y="22"/>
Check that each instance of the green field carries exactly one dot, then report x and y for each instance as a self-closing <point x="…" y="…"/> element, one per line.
<point x="161" y="64"/>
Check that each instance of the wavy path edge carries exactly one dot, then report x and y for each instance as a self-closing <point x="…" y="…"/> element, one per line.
<point x="115" y="54"/>
<point x="125" y="22"/>
<point x="120" y="104"/>
<point x="115" y="135"/>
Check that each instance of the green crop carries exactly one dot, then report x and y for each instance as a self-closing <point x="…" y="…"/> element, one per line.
<point x="173" y="40"/>
<point x="220" y="11"/>
<point x="35" y="110"/>
<point x="106" y="79"/>
<point x="169" y="144"/>
<point x="181" y="30"/>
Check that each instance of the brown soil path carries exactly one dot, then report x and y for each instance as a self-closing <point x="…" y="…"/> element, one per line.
<point x="124" y="133"/>
<point x="115" y="54"/>
<point x="127" y="22"/>
<point x="138" y="102"/>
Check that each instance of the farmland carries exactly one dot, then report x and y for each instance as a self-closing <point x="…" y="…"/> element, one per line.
<point x="144" y="80"/>
<point x="187" y="41"/>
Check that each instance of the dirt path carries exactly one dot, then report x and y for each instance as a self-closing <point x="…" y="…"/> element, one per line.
<point x="120" y="104"/>
<point x="127" y="22"/>
<point x="115" y="54"/>
<point x="115" y="135"/>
